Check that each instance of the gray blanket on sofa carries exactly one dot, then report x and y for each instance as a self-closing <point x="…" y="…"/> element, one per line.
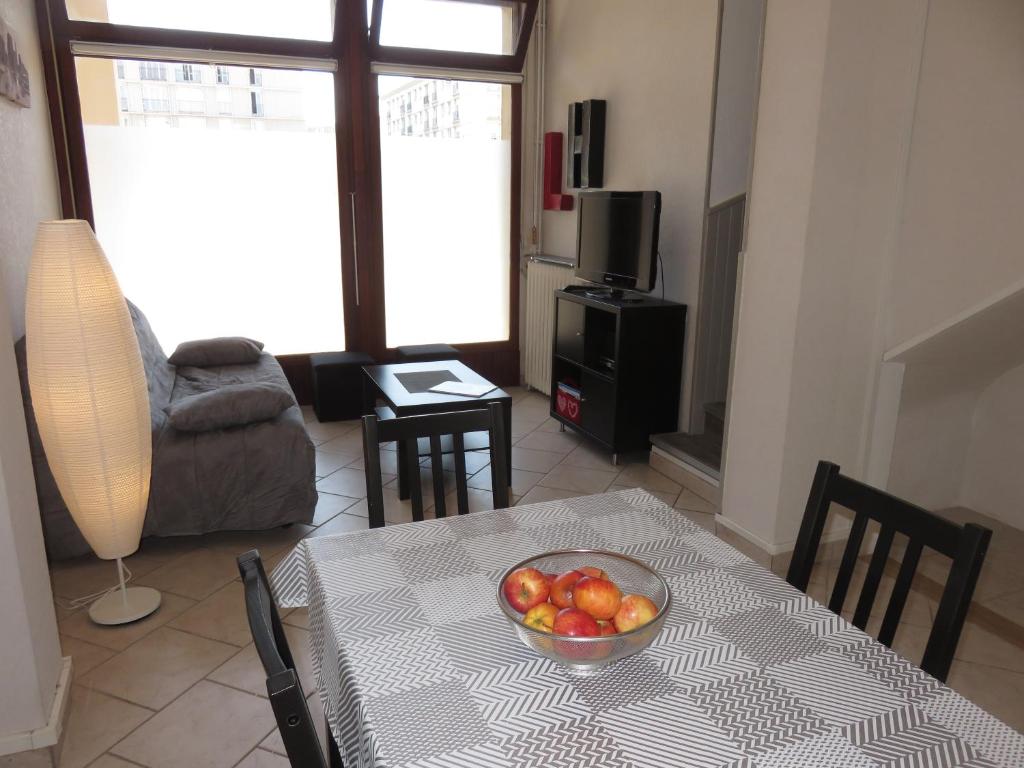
<point x="250" y="477"/>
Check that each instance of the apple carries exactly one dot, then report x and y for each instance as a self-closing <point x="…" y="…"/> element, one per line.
<point x="597" y="573"/>
<point x="550" y="578"/>
<point x="561" y="588"/>
<point x="598" y="597"/>
<point x="541" y="617"/>
<point x="525" y="588"/>
<point x="573" y="622"/>
<point x="607" y="628"/>
<point x="635" y="611"/>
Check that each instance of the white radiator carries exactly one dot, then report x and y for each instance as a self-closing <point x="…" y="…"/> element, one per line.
<point x="543" y="278"/>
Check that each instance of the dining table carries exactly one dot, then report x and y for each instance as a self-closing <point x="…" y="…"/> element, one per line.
<point x="416" y="665"/>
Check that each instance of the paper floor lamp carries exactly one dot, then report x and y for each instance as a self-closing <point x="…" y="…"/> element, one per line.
<point x="90" y="401"/>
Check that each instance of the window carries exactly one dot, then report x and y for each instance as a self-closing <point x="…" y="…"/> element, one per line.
<point x="120" y="70"/>
<point x="255" y="77"/>
<point x="446" y="212"/>
<point x="152" y="70"/>
<point x="471" y="27"/>
<point x="188" y="73"/>
<point x="242" y="225"/>
<point x="223" y="76"/>
<point x="256" y="103"/>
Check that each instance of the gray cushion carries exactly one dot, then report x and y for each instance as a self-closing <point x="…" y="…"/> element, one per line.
<point x="232" y="405"/>
<point x="225" y="350"/>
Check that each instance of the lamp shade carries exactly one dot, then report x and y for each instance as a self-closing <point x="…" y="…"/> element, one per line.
<point x="88" y="387"/>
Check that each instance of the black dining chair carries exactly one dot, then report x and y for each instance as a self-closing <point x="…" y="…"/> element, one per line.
<point x="283" y="688"/>
<point x="965" y="545"/>
<point x="434" y="427"/>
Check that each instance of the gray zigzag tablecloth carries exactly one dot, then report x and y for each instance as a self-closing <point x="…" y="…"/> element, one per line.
<point x="417" y="667"/>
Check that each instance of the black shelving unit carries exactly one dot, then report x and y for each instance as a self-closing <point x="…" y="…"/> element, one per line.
<point x="624" y="355"/>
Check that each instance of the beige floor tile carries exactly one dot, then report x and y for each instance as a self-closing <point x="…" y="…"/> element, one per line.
<point x="345" y="522"/>
<point x="112" y="761"/>
<point x="297" y="618"/>
<point x="350" y="442"/>
<point x="705" y="520"/>
<point x="535" y="461"/>
<point x="643" y="476"/>
<point x="669" y="497"/>
<point x="539" y="494"/>
<point x="330" y="461"/>
<point x="558" y="442"/>
<point x="268" y="542"/>
<point x="980" y="645"/>
<point x="262" y="758"/>
<point x="330" y="504"/>
<point x="550" y="425"/>
<point x="534" y="407"/>
<point x="427" y="483"/>
<point x="244" y="671"/>
<point x="87" y="575"/>
<point x="84" y="656"/>
<point x="158" y="668"/>
<point x="209" y="726"/>
<point x="1010" y="606"/>
<point x="589" y="456"/>
<point x="517" y="393"/>
<point x="521" y="427"/>
<point x="475" y="461"/>
<point x="689" y="500"/>
<point x="221" y="617"/>
<point x="994" y="581"/>
<point x="734" y="539"/>
<point x="78" y="625"/>
<point x="321" y="432"/>
<point x="349" y="482"/>
<point x="577" y="479"/>
<point x="995" y="690"/>
<point x="520" y="482"/>
<point x="95" y="723"/>
<point x="196" y="575"/>
<point x="388" y="463"/>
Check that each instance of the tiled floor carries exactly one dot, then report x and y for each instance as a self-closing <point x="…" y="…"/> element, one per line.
<point x="184" y="688"/>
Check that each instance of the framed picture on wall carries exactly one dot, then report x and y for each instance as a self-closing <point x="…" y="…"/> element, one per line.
<point x="13" y="74"/>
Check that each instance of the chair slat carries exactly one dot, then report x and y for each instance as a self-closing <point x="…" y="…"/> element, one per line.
<point x="412" y="474"/>
<point x="371" y="463"/>
<point x="874" y="577"/>
<point x="850" y="554"/>
<point x="437" y="474"/>
<point x="900" y="591"/>
<point x="461" y="491"/>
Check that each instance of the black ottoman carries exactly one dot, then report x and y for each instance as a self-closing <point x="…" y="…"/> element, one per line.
<point x="425" y="353"/>
<point x="338" y="385"/>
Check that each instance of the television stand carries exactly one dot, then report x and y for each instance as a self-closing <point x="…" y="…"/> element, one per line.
<point x="604" y="293"/>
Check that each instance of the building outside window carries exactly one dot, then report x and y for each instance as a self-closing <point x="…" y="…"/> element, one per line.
<point x="255" y="77"/>
<point x="223" y="76"/>
<point x="152" y="70"/>
<point x="188" y="73"/>
<point x="256" y="100"/>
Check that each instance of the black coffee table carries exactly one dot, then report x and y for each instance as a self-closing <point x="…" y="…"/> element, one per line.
<point x="405" y="388"/>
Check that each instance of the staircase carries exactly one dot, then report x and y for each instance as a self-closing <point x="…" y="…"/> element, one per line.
<point x="703" y="451"/>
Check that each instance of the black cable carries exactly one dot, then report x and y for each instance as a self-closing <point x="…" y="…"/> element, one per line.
<point x="661" y="266"/>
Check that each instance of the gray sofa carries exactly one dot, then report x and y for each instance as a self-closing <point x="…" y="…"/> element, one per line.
<point x="251" y="477"/>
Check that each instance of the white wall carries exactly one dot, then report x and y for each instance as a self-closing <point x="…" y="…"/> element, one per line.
<point x="834" y="118"/>
<point x="654" y="64"/>
<point x="962" y="236"/>
<point x="28" y="177"/>
<point x="993" y="483"/>
<point x="29" y="648"/>
<point x="736" y="98"/>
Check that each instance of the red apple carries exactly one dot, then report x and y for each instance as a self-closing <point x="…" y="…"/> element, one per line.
<point x="525" y="588"/>
<point x="561" y="588"/>
<point x="635" y="611"/>
<point x="598" y="597"/>
<point x="550" y="578"/>
<point x="575" y="623"/>
<point x="597" y="573"/>
<point x="541" y="617"/>
<point x="607" y="628"/>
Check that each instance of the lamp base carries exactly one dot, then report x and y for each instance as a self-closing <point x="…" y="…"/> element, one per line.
<point x="123" y="606"/>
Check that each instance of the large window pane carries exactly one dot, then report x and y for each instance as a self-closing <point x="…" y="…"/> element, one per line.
<point x="452" y="25"/>
<point x="215" y="196"/>
<point x="298" y="19"/>
<point x="445" y="171"/>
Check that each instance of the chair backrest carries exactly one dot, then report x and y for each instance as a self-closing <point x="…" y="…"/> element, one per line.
<point x="965" y="545"/>
<point x="286" y="696"/>
<point x="409" y="429"/>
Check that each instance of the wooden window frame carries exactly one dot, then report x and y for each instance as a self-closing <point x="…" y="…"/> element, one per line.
<point x="354" y="47"/>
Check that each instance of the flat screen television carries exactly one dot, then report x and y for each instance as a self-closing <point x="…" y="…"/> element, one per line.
<point x="617" y="239"/>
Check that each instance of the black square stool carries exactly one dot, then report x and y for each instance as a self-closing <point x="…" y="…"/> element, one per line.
<point x="338" y="385"/>
<point x="425" y="353"/>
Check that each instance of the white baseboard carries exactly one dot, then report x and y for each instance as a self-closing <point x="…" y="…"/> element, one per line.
<point x="837" y="531"/>
<point x="49" y="735"/>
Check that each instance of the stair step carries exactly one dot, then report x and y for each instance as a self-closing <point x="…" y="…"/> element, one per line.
<point x="702" y="451"/>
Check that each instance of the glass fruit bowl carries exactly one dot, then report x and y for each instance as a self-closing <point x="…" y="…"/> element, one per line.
<point x="584" y="655"/>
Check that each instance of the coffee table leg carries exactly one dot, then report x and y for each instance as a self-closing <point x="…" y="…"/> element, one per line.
<point x="507" y="408"/>
<point x="403" y="477"/>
